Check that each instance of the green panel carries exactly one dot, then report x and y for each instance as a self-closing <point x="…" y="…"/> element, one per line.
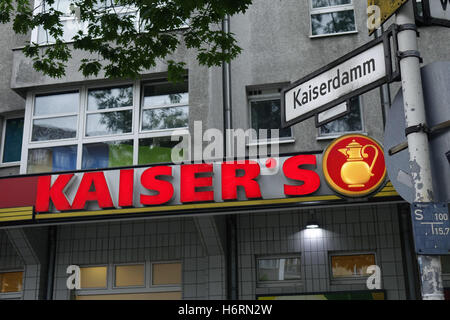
<point x="120" y="155"/>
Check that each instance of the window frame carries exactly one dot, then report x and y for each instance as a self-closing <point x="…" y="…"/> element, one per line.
<point x="96" y="266"/>
<point x="33" y="117"/>
<point x="135" y="135"/>
<point x="264" y="97"/>
<point x="13" y="295"/>
<point x="446" y="276"/>
<point x="11" y="116"/>
<point x="331" y="9"/>
<point x="278" y="283"/>
<point x="147" y="288"/>
<point x="331" y="136"/>
<point x="171" y="105"/>
<point x="137" y="22"/>
<point x="38" y="8"/>
<point x="152" y="263"/>
<point x="114" y="275"/>
<point x="351" y="279"/>
<point x="103" y="138"/>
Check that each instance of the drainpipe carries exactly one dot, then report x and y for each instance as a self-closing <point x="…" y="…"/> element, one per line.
<point x="231" y="250"/>
<point x="51" y="262"/>
<point x="385" y="94"/>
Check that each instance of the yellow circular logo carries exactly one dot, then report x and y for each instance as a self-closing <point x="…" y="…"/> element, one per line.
<point x="353" y="165"/>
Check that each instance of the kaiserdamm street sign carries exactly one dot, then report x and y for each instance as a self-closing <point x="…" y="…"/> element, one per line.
<point x="351" y="75"/>
<point x="431" y="226"/>
<point x="386" y="9"/>
<point x="434" y="12"/>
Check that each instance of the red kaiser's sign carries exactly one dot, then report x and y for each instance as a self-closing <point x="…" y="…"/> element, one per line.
<point x="159" y="185"/>
<point x="353" y="166"/>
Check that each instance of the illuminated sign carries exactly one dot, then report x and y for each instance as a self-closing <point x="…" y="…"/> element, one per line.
<point x="163" y="189"/>
<point x="353" y="165"/>
<point x="159" y="185"/>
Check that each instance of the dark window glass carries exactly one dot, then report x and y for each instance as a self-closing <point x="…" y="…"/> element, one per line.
<point x="101" y="99"/>
<point x="12" y="149"/>
<point x="266" y="114"/>
<point x="348" y="123"/>
<point x="54" y="128"/>
<point x="445" y="261"/>
<point x="333" y="22"/>
<point x="165" y="94"/>
<point x="99" y="124"/>
<point x="165" y="118"/>
<point x="329" y="3"/>
<point x="279" y="269"/>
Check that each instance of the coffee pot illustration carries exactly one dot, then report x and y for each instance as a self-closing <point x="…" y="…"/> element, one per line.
<point x="356" y="172"/>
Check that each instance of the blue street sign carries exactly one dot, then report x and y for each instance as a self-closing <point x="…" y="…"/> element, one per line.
<point x="431" y="226"/>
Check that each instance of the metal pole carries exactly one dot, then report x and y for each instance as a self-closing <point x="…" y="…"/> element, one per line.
<point x="51" y="261"/>
<point x="385" y="95"/>
<point x="414" y="107"/>
<point x="228" y="152"/>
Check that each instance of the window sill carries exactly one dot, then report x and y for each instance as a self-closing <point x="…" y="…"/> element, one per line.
<point x="9" y="165"/>
<point x="334" y="136"/>
<point x="279" y="284"/>
<point x="11" y="295"/>
<point x="332" y="34"/>
<point x="264" y="142"/>
<point x="349" y="281"/>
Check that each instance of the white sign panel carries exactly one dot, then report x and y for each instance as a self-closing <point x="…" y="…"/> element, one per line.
<point x="357" y="72"/>
<point x="440" y="9"/>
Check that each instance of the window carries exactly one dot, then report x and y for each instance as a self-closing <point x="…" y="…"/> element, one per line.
<point x="166" y="274"/>
<point x="138" y="281"/>
<point x="130" y="275"/>
<point x="330" y="17"/>
<point x="352" y="122"/>
<point x="104" y="127"/>
<point x="71" y="23"/>
<point x="276" y="270"/>
<point x="351" y="266"/>
<point x="55" y="116"/>
<point x="109" y="111"/>
<point x="419" y="7"/>
<point x="93" y="277"/>
<point x="12" y="140"/>
<point x="11" y="282"/>
<point x="265" y="113"/>
<point x="165" y="106"/>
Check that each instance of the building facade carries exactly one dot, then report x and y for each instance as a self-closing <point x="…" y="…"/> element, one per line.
<point x="247" y="249"/>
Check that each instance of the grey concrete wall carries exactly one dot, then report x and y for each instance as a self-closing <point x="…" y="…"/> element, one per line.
<point x="137" y="242"/>
<point x="277" y="48"/>
<point x="9" y="259"/>
<point x="10" y="100"/>
<point x="351" y="229"/>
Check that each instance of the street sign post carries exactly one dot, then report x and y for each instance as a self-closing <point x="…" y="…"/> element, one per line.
<point x="434" y="12"/>
<point x="332" y="114"/>
<point x="417" y="137"/>
<point x="436" y="92"/>
<point x="355" y="73"/>
<point x="431" y="227"/>
<point x="386" y="10"/>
